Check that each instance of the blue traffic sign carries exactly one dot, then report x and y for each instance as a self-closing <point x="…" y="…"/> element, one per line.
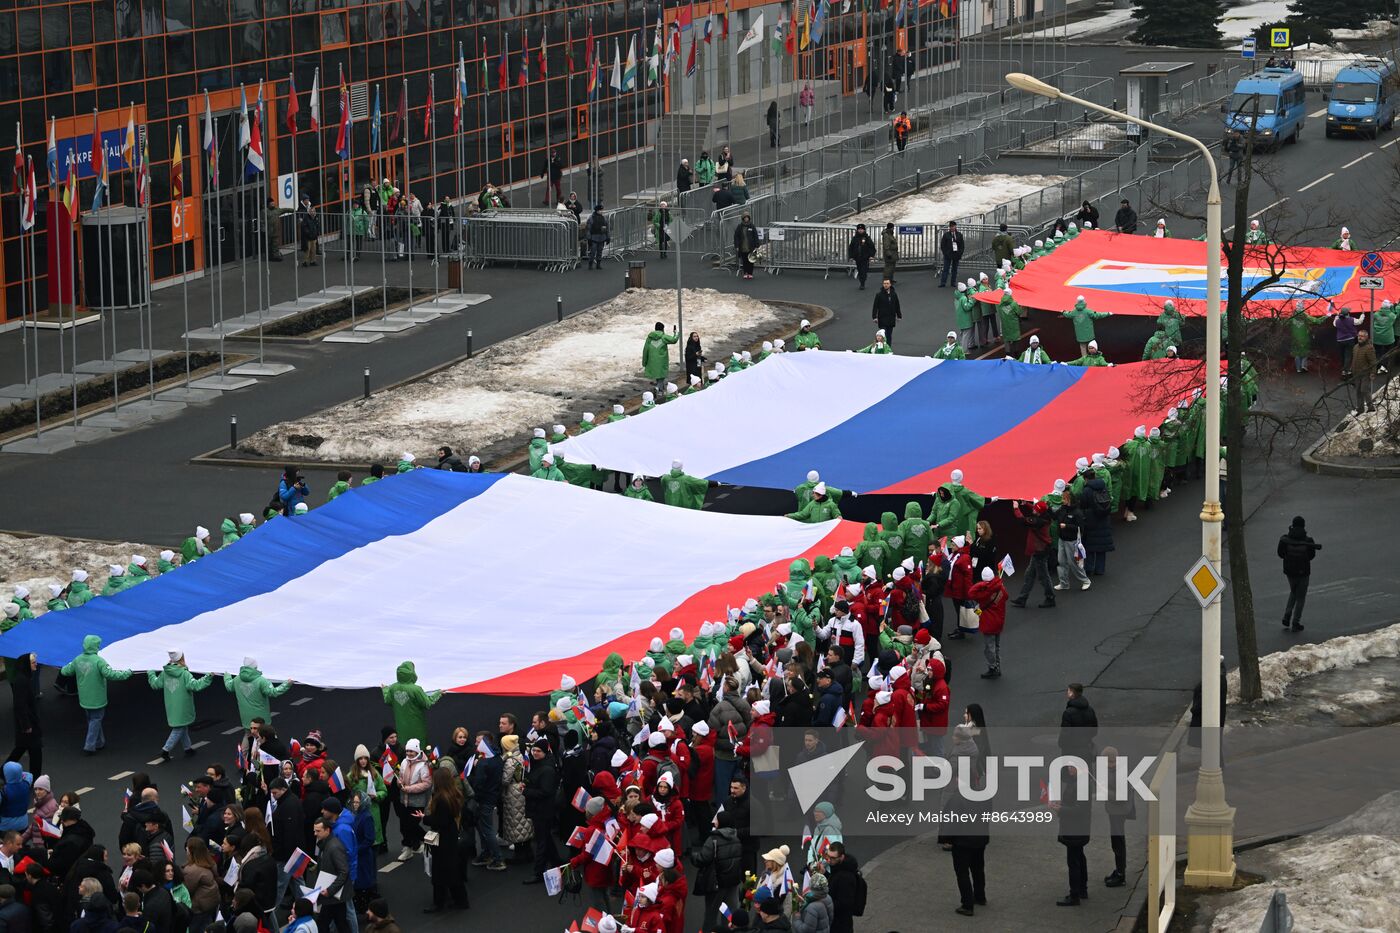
<point x="1247" y="48"/>
<point x="1372" y="264"/>
<point x="910" y="229"/>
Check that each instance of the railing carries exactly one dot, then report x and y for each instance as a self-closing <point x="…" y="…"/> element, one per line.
<point x="823" y="246"/>
<point x="552" y="243"/>
<point x="1161" y="846"/>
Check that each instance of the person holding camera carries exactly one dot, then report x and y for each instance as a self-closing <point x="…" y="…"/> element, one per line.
<point x="292" y="490"/>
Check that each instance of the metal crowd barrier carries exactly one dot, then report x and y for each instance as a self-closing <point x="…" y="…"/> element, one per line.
<point x="823" y="246"/>
<point x="549" y="242"/>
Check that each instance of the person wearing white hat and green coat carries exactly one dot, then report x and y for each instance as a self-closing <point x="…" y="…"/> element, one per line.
<point x="116" y="580"/>
<point x="409" y="703"/>
<point x="547" y="470"/>
<point x="803" y="491"/>
<point x="253" y="691"/>
<point x="56" y="601"/>
<point x="1092" y="357"/>
<point x="683" y="490"/>
<point x="952" y="350"/>
<point x="806" y="338"/>
<point x="92" y="672"/>
<point x="179" y="687"/>
<point x="78" y="591"/>
<point x="195" y="546"/>
<point x="1033" y="353"/>
<point x="819" y="508"/>
<point x="1084" y="318"/>
<point x="21" y="599"/>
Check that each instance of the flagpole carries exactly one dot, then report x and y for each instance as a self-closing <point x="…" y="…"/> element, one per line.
<point x="52" y="221"/>
<point x="143" y="201"/>
<point x="617" y="120"/>
<point x="525" y="100"/>
<point x="346" y="234"/>
<point x="179" y="206"/>
<point x="218" y="244"/>
<point x="321" y="175"/>
<point x="481" y="158"/>
<point x="505" y="92"/>
<point x="637" y="133"/>
<point x="407" y="193"/>
<point x="383" y="247"/>
<point x="73" y="290"/>
<point x="548" y="136"/>
<point x="264" y="258"/>
<point x="24" y="310"/>
<point x="111" y="280"/>
<point x="34" y="304"/>
<point x="296" y="186"/>
<point x="432" y="147"/>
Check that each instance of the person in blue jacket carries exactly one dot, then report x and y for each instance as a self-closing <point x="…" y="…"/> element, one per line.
<point x="15" y="798"/>
<point x="366" y="878"/>
<point x="292" y="490"/>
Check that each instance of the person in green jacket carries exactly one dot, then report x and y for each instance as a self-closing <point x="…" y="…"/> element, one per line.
<point x="1161" y="232"/>
<point x="955" y="508"/>
<point x="92" y="672"/>
<point x="195" y="546"/>
<point x="1116" y="468"/>
<point x="1009" y="314"/>
<point x="136" y="571"/>
<point x="1344" y="241"/>
<point x="376" y="473"/>
<point x="806" y="338"/>
<point x="409" y="703"/>
<point x="539" y="446"/>
<point x="1033" y="353"/>
<point x="79" y="594"/>
<point x="1084" y="319"/>
<point x="341" y="485"/>
<point x="165" y="561"/>
<point x="253" y="691"/>
<point x="617" y="414"/>
<point x="818" y="508"/>
<point x="916" y="532"/>
<point x="1383" y="330"/>
<point x="803" y="491"/>
<point x="1092" y="358"/>
<point x="364" y="778"/>
<point x="893" y="537"/>
<point x="845" y="565"/>
<point x="1170" y="321"/>
<point x="871" y="550"/>
<point x="1133" y="490"/>
<point x="695" y="384"/>
<point x="228" y="532"/>
<point x="705" y="169"/>
<point x="824" y="573"/>
<point x="580" y="474"/>
<point x="952" y="350"/>
<point x="547" y="470"/>
<point x="179" y="687"/>
<point x="965" y="316"/>
<point x="656" y="357"/>
<point x="245" y="524"/>
<point x="585" y="424"/>
<point x="116" y="580"/>
<point x="10" y="617"/>
<point x="406" y="461"/>
<point x="1156" y="346"/>
<point x="878" y="346"/>
<point x="637" y="489"/>
<point x="683" y="490"/>
<point x="56" y="602"/>
<point x="1256" y="236"/>
<point x="1300" y="328"/>
<point x="648" y="402"/>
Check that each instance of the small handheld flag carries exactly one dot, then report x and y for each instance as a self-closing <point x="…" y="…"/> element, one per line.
<point x="241" y="758"/>
<point x="297" y="864"/>
<point x="167" y="851"/>
<point x="599" y="849"/>
<point x="579" y="800"/>
<point x="186" y="821"/>
<point x="48" y="830"/>
<point x="1007" y="567"/>
<point x="336" y="781"/>
<point x="267" y="758"/>
<point x="484" y="747"/>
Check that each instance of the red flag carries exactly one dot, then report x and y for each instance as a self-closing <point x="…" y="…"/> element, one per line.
<point x="428" y="114"/>
<point x="568" y="50"/>
<point x="683" y="17"/>
<point x="524" y="77"/>
<point x="790" y="34"/>
<point x="502" y="71"/>
<point x="400" y="117"/>
<point x="724" y="22"/>
<point x="540" y="58"/>
<point x="588" y="50"/>
<point x="690" y="60"/>
<point x="293" y="108"/>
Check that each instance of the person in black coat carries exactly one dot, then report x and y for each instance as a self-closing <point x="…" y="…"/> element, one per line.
<point x="746" y="244"/>
<point x="829" y="698"/>
<point x="1074" y="818"/>
<point x="843" y="880"/>
<point x="694" y="356"/>
<point x="157" y="905"/>
<point x="1079" y="724"/>
<point x="969" y="851"/>
<point x="75" y="842"/>
<point x="1087" y="216"/>
<point x="861" y="250"/>
<point x="485" y="781"/>
<point x="950" y="245"/>
<point x="720" y="860"/>
<point x="287" y="823"/>
<point x="1296" y="549"/>
<point x="541" y="785"/>
<point x="1096" y="530"/>
<point x="684" y="176"/>
<point x="29" y="733"/>
<point x="257" y="872"/>
<point x="885" y="310"/>
<point x="44" y="899"/>
<point x="796" y="709"/>
<point x="737" y="806"/>
<point x="1126" y="220"/>
<point x="444" y="817"/>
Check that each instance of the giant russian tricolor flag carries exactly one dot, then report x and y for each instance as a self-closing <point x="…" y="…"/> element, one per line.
<point x="892" y="424"/>
<point x="1137" y="274"/>
<point x="490" y="583"/>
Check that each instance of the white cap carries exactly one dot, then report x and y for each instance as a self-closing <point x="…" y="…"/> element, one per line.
<point x="1007" y="291"/>
<point x="778" y="343"/>
<point x="588" y="417"/>
<point x="870" y="572"/>
<point x="813" y="476"/>
<point x="853" y="589"/>
<point x="883" y="697"/>
<point x="1073" y="225"/>
<point x="648" y="398"/>
<point x="734" y="355"/>
<point x="1059" y="485"/>
<point x="606" y="924"/>
<point x="647" y="822"/>
<point x="138" y="560"/>
<point x="956" y="476"/>
<point x="617" y="409"/>
<point x="671" y="388"/>
<point x="952" y="335"/>
<point x="805" y="323"/>
<point x="677" y="465"/>
<point x="701" y="728"/>
<point x="11" y="610"/>
<point x="1098" y="459"/>
<point x="1079" y="298"/>
<point x="539" y="432"/>
<point x="768" y="346"/>
<point x="663" y="203"/>
<point x="962" y="286"/>
<point x="1113" y="451"/>
<point x="80" y="576"/>
<point x="250" y="662"/>
<point x="1035" y="341"/>
<point x="694" y="380"/>
<point x="1169" y="304"/>
<point x="1093" y="344"/>
<point x="987" y="573"/>
<point x="648" y="891"/>
<point x="567" y="683"/>
<point x="746" y="356"/>
<point x="762" y="707"/>
<point x="1161" y="221"/>
<point x="245" y="517"/>
<point x="301" y="509"/>
<point x="619" y="758"/>
<point x="22" y="592"/>
<point x="971" y="283"/>
<point x="898" y="573"/>
<point x="981" y="276"/>
<point x="750" y="604"/>
<point x="413" y="745"/>
<point x="1140" y="431"/>
<point x="558" y="429"/>
<point x="907" y="564"/>
<point x="959" y="540"/>
<point x="1082" y="463"/>
<point x="656" y="644"/>
<point x="475" y="459"/>
<point x="880" y="333"/>
<point x="1254" y="225"/>
<point x="1156" y="433"/>
<point x="707" y="628"/>
<point x="846" y="552"/>
<point x="656" y="739"/>
<point x="1039" y="244"/>
<point x="115" y="570"/>
<point x="54" y="590"/>
<point x="784" y="629"/>
<point x="666" y="858"/>
<point x="1346" y="232"/>
<point x="174" y="655"/>
<point x="819" y="489"/>
<point x="409" y="456"/>
<point x="201" y="532"/>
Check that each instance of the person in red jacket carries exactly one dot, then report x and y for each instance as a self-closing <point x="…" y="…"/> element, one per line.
<point x="699" y="806"/>
<point x="934" y="698"/>
<point x="959" y="581"/>
<point x="671" y="825"/>
<point x="647" y="916"/>
<point x="657" y="755"/>
<point x="880" y="733"/>
<point x="598" y="878"/>
<point x="904" y="599"/>
<point x="902" y="700"/>
<point x="671" y="892"/>
<point x="642" y="846"/>
<point x="991" y="597"/>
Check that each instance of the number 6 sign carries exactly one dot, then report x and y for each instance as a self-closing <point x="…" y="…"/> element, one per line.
<point x="287" y="192"/>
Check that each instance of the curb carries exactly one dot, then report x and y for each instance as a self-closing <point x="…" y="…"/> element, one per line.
<point x="1314" y="463"/>
<point x="250" y="335"/>
<point x="819" y="315"/>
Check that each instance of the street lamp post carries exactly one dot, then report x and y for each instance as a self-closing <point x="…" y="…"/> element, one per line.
<point x="1210" y="820"/>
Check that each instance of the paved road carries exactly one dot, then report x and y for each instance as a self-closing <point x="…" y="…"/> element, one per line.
<point x="1132" y="639"/>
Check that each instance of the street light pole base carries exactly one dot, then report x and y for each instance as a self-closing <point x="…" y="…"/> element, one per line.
<point x="1210" y="840"/>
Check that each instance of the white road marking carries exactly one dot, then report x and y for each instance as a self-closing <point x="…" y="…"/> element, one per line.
<point x="121" y="775"/>
<point x="1391" y="143"/>
<point x="234" y="731"/>
<point x="1269" y="208"/>
<point x="1318" y="113"/>
<point x="200" y="744"/>
<point x="1359" y="159"/>
<point x="83" y="790"/>
<point x="1318" y="182"/>
<point x="390" y="867"/>
<point x="301" y="701"/>
<point x="156" y="761"/>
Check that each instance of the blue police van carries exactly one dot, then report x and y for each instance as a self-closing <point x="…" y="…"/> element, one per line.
<point x="1363" y="99"/>
<point x="1281" y="106"/>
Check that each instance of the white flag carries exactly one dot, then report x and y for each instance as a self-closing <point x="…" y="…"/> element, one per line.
<point x="755" y="34"/>
<point x="616" y="81"/>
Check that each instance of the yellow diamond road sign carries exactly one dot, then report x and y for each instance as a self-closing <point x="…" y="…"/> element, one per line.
<point x="1204" y="582"/>
<point x="1278" y="37"/>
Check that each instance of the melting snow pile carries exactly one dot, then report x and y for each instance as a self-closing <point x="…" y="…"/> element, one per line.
<point x="550" y="376"/>
<point x="1381" y="427"/>
<point x="1337" y="881"/>
<point x="956" y="199"/>
<point x="1278" y="670"/>
<point x="36" y="562"/>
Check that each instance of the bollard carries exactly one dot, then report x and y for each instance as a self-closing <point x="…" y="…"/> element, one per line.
<point x="469" y="344"/>
<point x="1023" y="139"/>
<point x="918" y="181"/>
<point x="366" y="383"/>
<point x="559" y="307"/>
<point x="858" y="197"/>
<point x="1115" y="104"/>
<point x="959" y="165"/>
<point x="233" y="432"/>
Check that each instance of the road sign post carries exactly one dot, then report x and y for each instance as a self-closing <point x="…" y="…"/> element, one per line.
<point x="1372" y="265"/>
<point x="1279" y="37"/>
<point x="1247" y="49"/>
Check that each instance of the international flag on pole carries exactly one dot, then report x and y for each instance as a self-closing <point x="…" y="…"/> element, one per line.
<point x="168" y="852"/>
<point x="103" y="181"/>
<point x="684" y="15"/>
<point x="336" y="781"/>
<point x="143" y="174"/>
<point x="755" y="34"/>
<point x="790" y="35"/>
<point x="342" y="139"/>
<point x="690" y="60"/>
<point x="541" y="58"/>
<point x="593" y="56"/>
<point x="806" y="38"/>
<point x="70" y="201"/>
<point x="374" y="123"/>
<point x="579" y="800"/>
<point x="386" y="770"/>
<point x="51" y="157"/>
<point x="523" y="78"/>
<point x="297" y="863"/>
<point x="129" y="140"/>
<point x="461" y="92"/>
<point x="428" y="112"/>
<point x="615" y="82"/>
<point x="839" y="719"/>
<point x="400" y="116"/>
<point x="899" y="14"/>
<point x="709" y="29"/>
<point x="726" y="912"/>
<point x="578" y="838"/>
<point x="255" y="143"/>
<point x="186" y="821"/>
<point x="724" y="22"/>
<point x="629" y="72"/>
<point x="819" y="22"/>
<point x="315" y="100"/>
<point x="126" y="794"/>
<point x="266" y="757"/>
<point x="48" y="830"/>
<point x="19" y="156"/>
<point x="26" y="213"/>
<point x="241" y="758"/>
<point x="1007" y="567"/>
<point x="245" y="132"/>
<point x="289" y="115"/>
<point x="503" y="66"/>
<point x="654" y="59"/>
<point x="599" y="849"/>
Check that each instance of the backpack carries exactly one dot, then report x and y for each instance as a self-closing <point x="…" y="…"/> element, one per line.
<point x="862" y="892"/>
<point x="909" y="609"/>
<point x="1103" y="500"/>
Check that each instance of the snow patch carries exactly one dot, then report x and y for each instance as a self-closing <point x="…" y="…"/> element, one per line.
<point x="550" y="376"/>
<point x="38" y="561"/>
<point x="1243" y="21"/>
<point x="1278" y="670"/>
<point x="1375" y="29"/>
<point x="1093" y="136"/>
<point x="956" y="198"/>
<point x="1379" y="427"/>
<point x="1085" y="27"/>
<point x="1338" y="881"/>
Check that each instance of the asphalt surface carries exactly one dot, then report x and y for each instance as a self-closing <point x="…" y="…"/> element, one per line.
<point x="1132" y="639"/>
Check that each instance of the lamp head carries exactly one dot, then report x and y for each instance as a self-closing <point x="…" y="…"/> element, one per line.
<point x="1032" y="85"/>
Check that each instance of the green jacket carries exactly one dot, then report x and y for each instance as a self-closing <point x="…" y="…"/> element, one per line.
<point x="683" y="490"/>
<point x="1090" y="359"/>
<point x="1084" y="319"/>
<point x="963" y="308"/>
<point x="360" y="220"/>
<point x="894" y="542"/>
<point x="1383" y="326"/>
<point x="916" y="532"/>
<point x="1156" y="347"/>
<point x="656" y="359"/>
<point x="950" y="351"/>
<point x="252" y="691"/>
<point x="550" y="472"/>
<point x="57" y="604"/>
<point x="877" y="350"/>
<point x="79" y="594"/>
<point x="871" y="550"/>
<point x="338" y="487"/>
<point x="705" y="171"/>
<point x="192" y="550"/>
<point x="816" y="510"/>
<point x="179" y="686"/>
<point x="538" y="448"/>
<point x="228" y="533"/>
<point x="409" y="703"/>
<point x="1170" y="321"/>
<point x="1300" y="327"/>
<point x="806" y="340"/>
<point x="1009" y="313"/>
<point x="957" y="515"/>
<point x="644" y="493"/>
<point x="1035" y="355"/>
